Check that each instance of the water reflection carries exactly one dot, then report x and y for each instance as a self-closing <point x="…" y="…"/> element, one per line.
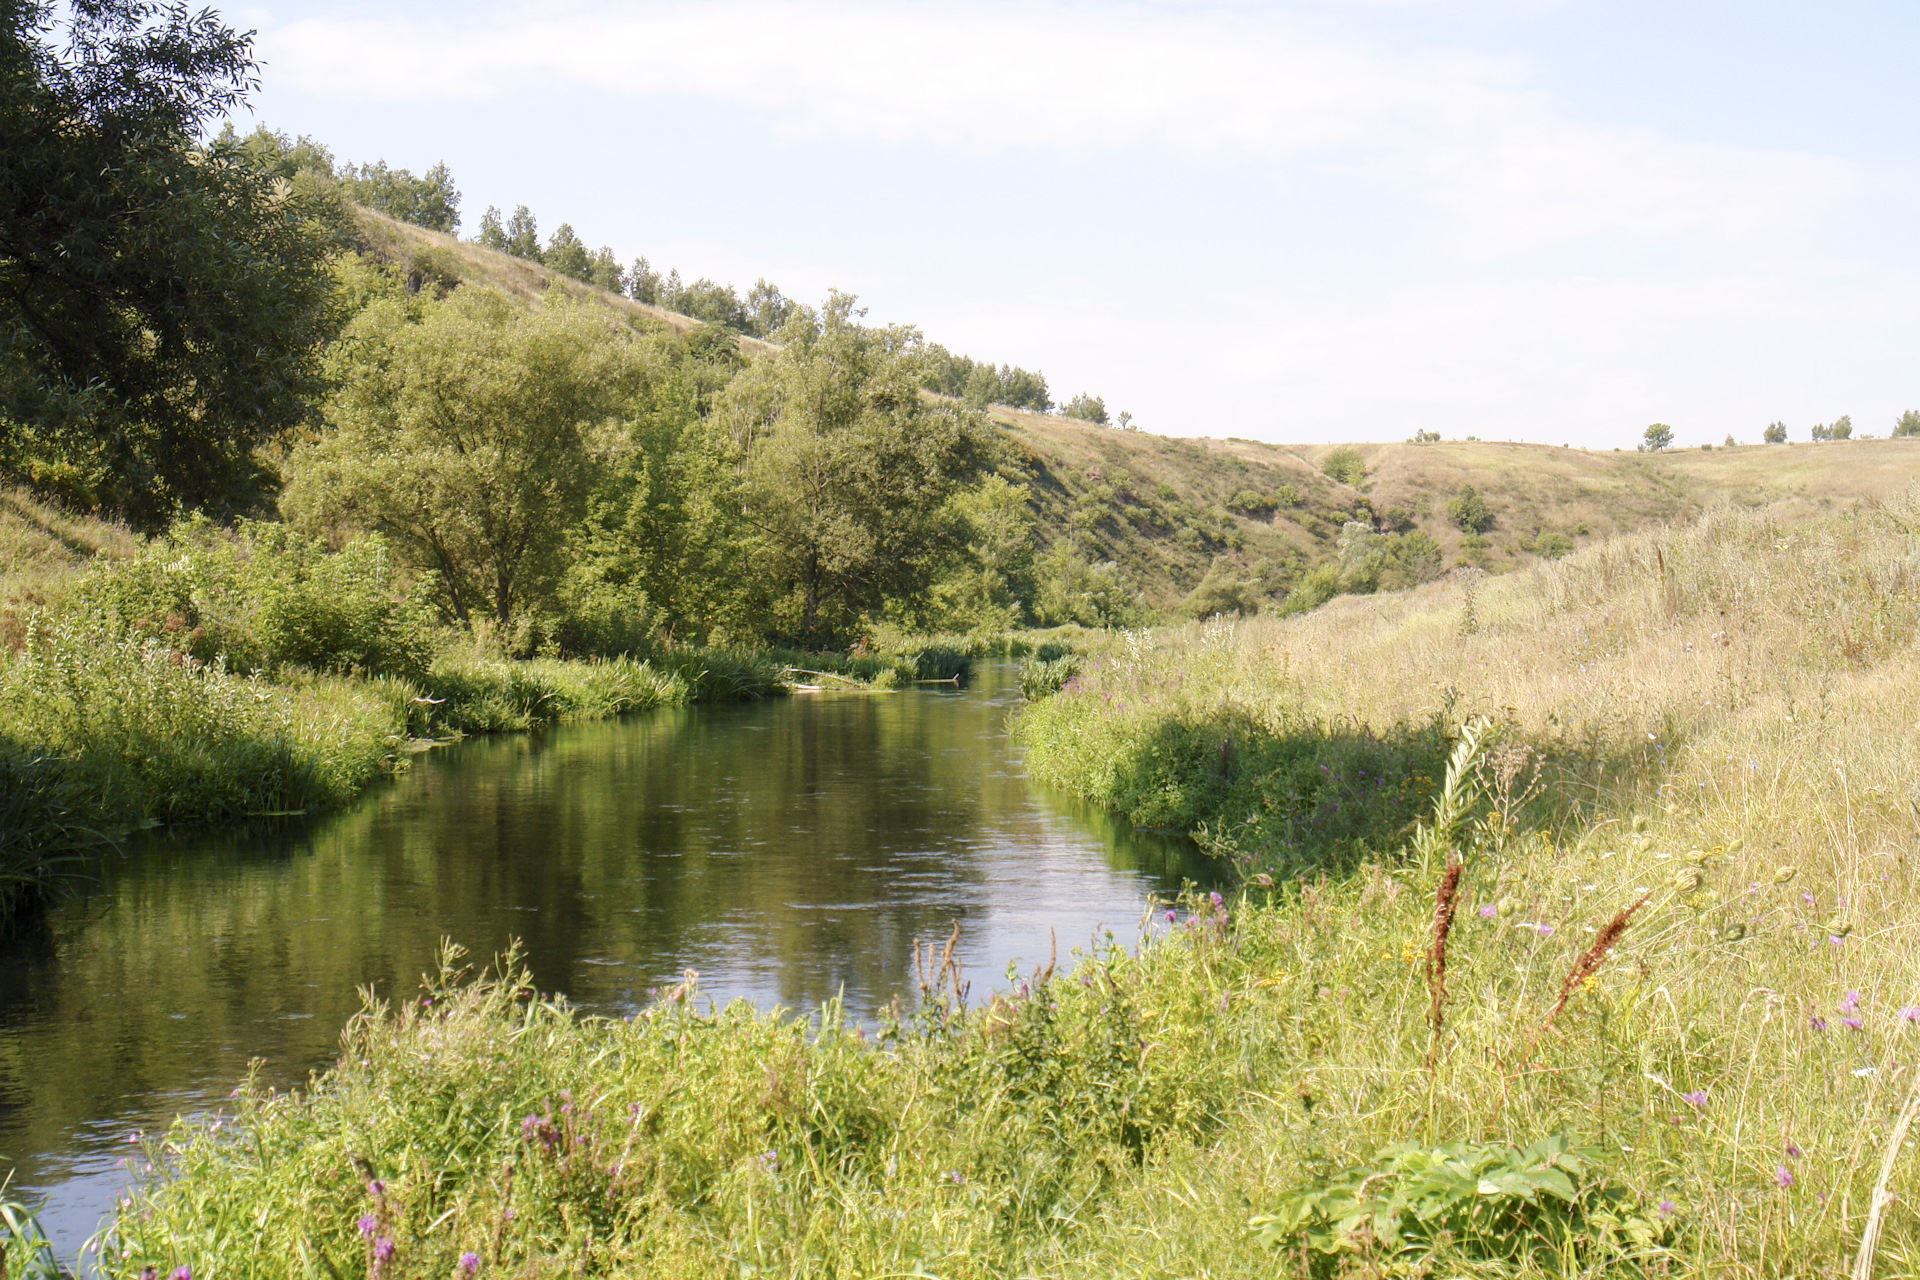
<point x="789" y="851"/>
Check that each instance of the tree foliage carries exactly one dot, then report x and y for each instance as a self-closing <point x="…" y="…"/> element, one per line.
<point x="162" y="305"/>
<point x="1656" y="437"/>
<point x="1087" y="408"/>
<point x="1776" y="433"/>
<point x="1908" y="424"/>
<point x="471" y="434"/>
<point x="849" y="471"/>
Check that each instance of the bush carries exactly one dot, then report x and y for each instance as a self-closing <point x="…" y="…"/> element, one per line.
<point x="1552" y="546"/>
<point x="1469" y="511"/>
<point x="1346" y="466"/>
<point x="262" y="597"/>
<point x="1776" y="433"/>
<point x="1908" y="425"/>
<point x="1249" y="503"/>
<point x="1042" y="677"/>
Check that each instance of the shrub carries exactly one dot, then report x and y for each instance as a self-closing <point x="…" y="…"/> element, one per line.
<point x="1553" y="545"/>
<point x="1469" y="511"/>
<point x="1249" y="503"/>
<point x="1776" y="433"/>
<point x="1042" y="677"/>
<point x="263" y="597"/>
<point x="1908" y="425"/>
<point x="1346" y="466"/>
<point x="1479" y="1201"/>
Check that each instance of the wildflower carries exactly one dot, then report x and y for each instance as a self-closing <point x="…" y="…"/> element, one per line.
<point x="1697" y="1097"/>
<point x="1849" y="1002"/>
<point x="383" y="1248"/>
<point x="150" y="1272"/>
<point x="1910" y="1013"/>
<point x="1489" y="911"/>
<point x="1217" y="900"/>
<point x="1666" y="1208"/>
<point x="1850" y="1023"/>
<point x="183" y="1272"/>
<point x="366" y="1224"/>
<point x="469" y="1262"/>
<point x="1817" y="1023"/>
<point x="1794" y="1152"/>
<point x="1783" y="1176"/>
<point x="1169" y="917"/>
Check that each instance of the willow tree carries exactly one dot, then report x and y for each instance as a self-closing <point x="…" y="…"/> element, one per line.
<point x="471" y="432"/>
<point x="849" y="471"/>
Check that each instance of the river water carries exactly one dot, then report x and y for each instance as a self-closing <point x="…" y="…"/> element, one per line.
<point x="788" y="851"/>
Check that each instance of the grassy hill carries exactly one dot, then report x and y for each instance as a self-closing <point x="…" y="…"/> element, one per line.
<point x="1163" y="508"/>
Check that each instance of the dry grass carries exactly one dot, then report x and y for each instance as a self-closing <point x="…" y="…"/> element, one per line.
<point x="530" y="282"/>
<point x="43" y="550"/>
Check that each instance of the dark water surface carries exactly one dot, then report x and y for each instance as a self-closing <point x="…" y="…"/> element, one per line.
<point x="788" y="851"/>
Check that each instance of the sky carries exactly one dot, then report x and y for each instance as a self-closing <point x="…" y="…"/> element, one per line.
<point x="1545" y="220"/>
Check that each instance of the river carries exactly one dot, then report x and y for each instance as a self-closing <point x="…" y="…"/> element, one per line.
<point x="789" y="851"/>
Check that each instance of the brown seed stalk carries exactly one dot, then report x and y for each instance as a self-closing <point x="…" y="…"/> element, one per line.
<point x="1589" y="962"/>
<point x="1445" y="901"/>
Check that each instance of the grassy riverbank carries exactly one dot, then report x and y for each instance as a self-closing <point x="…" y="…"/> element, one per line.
<point x="1663" y="1022"/>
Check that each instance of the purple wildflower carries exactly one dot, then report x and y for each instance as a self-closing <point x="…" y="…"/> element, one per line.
<point x="1849" y="1002"/>
<point x="1817" y="1022"/>
<point x="183" y="1272"/>
<point x="1783" y="1176"/>
<point x="1697" y="1097"/>
<point x="1794" y="1152"/>
<point x="1851" y="1023"/>
<point x="469" y="1262"/>
<point x="1666" y="1208"/>
<point x="366" y="1224"/>
<point x="150" y="1272"/>
<point x="1170" y="917"/>
<point x="383" y="1248"/>
<point x="1217" y="899"/>
<point x="1489" y="911"/>
<point x="1909" y="1012"/>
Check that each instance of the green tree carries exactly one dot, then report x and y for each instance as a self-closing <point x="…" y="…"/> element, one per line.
<point x="523" y="234"/>
<point x="1087" y="408"/>
<point x="471" y="433"/>
<point x="1841" y="428"/>
<point x="1658" y="436"/>
<point x="849" y="472"/>
<point x="1908" y="424"/>
<point x="492" y="234"/>
<point x="429" y="201"/>
<point x="990" y="577"/>
<point x="644" y="283"/>
<point x="604" y="271"/>
<point x="766" y="309"/>
<point x="662" y="545"/>
<point x="1469" y="511"/>
<point x="1776" y="433"/>
<point x="162" y="305"/>
<point x="567" y="255"/>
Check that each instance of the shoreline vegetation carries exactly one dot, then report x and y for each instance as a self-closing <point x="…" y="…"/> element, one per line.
<point x="1574" y="939"/>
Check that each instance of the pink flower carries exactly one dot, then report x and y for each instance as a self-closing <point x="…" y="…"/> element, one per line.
<point x="1783" y="1176"/>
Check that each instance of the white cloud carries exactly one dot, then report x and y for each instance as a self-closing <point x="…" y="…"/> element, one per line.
<point x="1462" y="131"/>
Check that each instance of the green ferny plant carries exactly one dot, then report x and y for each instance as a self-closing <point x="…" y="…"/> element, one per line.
<point x="1481" y="1201"/>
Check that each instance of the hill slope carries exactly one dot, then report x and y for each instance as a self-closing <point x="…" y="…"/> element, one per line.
<point x="1163" y="508"/>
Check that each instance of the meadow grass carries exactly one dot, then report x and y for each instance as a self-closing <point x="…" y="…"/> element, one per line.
<point x="1608" y="1004"/>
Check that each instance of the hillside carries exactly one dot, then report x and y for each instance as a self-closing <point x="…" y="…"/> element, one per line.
<point x="1162" y="508"/>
